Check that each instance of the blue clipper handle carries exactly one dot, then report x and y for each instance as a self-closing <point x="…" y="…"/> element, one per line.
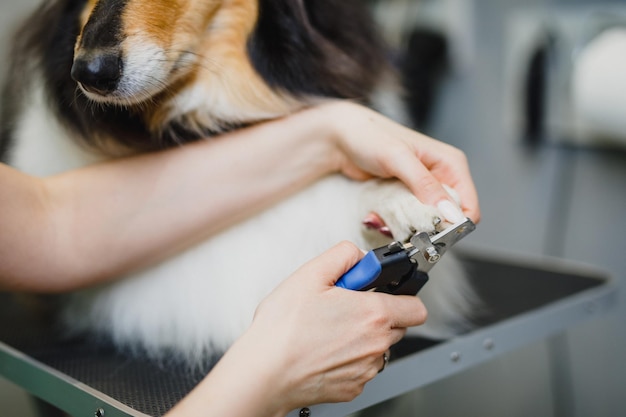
<point x="386" y="269"/>
<point x="362" y="274"/>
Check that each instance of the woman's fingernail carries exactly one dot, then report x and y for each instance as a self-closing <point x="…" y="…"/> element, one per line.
<point x="450" y="212"/>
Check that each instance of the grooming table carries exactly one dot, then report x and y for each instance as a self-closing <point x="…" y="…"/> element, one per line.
<point x="528" y="300"/>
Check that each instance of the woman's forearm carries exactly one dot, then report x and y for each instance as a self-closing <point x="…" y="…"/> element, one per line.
<point x="100" y="221"/>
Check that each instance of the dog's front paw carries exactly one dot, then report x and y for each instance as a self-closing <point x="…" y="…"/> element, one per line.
<point x="396" y="212"/>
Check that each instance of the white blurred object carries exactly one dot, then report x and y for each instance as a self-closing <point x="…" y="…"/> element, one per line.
<point x="598" y="87"/>
<point x="565" y="74"/>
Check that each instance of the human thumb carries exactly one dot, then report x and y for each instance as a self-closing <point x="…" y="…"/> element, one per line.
<point x="328" y="267"/>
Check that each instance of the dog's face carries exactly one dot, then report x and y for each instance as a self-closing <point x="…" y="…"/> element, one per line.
<point x="173" y="71"/>
<point x="128" y="51"/>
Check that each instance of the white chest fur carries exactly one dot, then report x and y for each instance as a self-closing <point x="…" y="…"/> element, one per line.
<point x="42" y="146"/>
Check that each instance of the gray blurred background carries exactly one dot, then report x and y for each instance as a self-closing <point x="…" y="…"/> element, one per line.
<point x="496" y="87"/>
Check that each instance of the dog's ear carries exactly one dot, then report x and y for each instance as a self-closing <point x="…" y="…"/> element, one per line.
<point x="319" y="47"/>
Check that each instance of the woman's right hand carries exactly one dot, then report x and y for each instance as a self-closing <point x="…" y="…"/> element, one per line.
<point x="321" y="343"/>
<point x="310" y="342"/>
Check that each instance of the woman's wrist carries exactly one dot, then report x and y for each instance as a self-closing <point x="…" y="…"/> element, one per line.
<point x="320" y="127"/>
<point x="332" y="120"/>
<point x="268" y="373"/>
<point x="245" y="382"/>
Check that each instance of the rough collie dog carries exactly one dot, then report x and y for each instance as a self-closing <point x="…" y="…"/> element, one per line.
<point x="93" y="79"/>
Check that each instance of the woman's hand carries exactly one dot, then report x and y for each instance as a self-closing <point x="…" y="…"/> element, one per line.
<point x="327" y="342"/>
<point x="310" y="342"/>
<point x="369" y="144"/>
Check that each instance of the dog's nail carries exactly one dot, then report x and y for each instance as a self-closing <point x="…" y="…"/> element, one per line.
<point x="450" y="212"/>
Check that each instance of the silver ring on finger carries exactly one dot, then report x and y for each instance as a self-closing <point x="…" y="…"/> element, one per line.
<point x="385" y="361"/>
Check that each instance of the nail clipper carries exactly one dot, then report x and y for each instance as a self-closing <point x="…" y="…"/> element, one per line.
<point x="402" y="268"/>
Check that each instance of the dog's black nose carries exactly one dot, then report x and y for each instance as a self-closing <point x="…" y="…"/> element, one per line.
<point x="98" y="73"/>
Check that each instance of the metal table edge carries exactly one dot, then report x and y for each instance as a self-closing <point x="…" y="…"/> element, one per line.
<point x="56" y="388"/>
<point x="477" y="347"/>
